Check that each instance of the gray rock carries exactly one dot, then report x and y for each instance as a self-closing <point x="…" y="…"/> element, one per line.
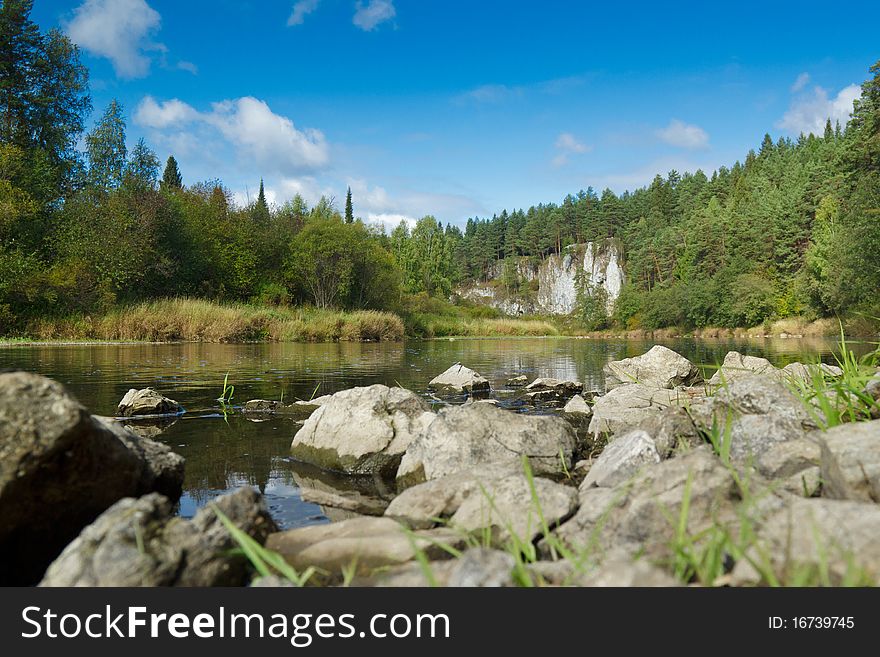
<point x="660" y="367"/>
<point x="363" y="543"/>
<point x="812" y="536"/>
<point x="558" y="386"/>
<point x="60" y="468"/>
<point x="627" y="406"/>
<point x="578" y="405"/>
<point x="872" y="389"/>
<point x="786" y="459"/>
<point x="851" y="461"/>
<point x="755" y="412"/>
<point x="628" y="573"/>
<point x="798" y="372"/>
<point x="621" y="459"/>
<point x="498" y="496"/>
<point x="462" y="437"/>
<point x="362" y="430"/>
<point x="459" y="379"/>
<point x="517" y="381"/>
<point x="482" y="567"/>
<point x="640" y="516"/>
<point x="672" y="429"/>
<point x="147" y="401"/>
<point x="736" y="366"/>
<point x="138" y="542"/>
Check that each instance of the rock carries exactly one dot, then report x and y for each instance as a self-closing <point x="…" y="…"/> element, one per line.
<point x="272" y="582"/>
<point x="736" y="366"/>
<point x="786" y="459"/>
<point x="459" y="379"/>
<point x="671" y="429"/>
<point x="297" y="410"/>
<point x="872" y="389"/>
<point x="366" y="543"/>
<point x="640" y="516"/>
<point x="345" y="501"/>
<point x="798" y="372"/>
<point x="362" y="430"/>
<point x="851" y="461"/>
<point x="558" y="386"/>
<point x="139" y="542"/>
<point x="621" y="459"/>
<point x="754" y="412"/>
<point x="462" y="437"/>
<point x="577" y="405"/>
<point x="497" y="496"/>
<point x="481" y="567"/>
<point x="517" y="381"/>
<point x="60" y="468"/>
<point x="629" y="573"/>
<point x="147" y="401"/>
<point x="627" y="406"/>
<point x="660" y="367"/>
<point x="812" y="536"/>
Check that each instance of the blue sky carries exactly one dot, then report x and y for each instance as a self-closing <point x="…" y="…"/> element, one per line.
<point x="457" y="108"/>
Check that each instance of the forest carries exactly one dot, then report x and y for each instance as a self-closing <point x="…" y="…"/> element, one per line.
<point x="88" y="225"/>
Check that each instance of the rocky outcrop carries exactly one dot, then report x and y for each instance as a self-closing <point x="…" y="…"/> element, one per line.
<point x="462" y="437"/>
<point x="362" y="430"/>
<point x="147" y="401"/>
<point x="595" y="266"/>
<point x="494" y="496"/>
<point x="139" y="542"/>
<point x="658" y="368"/>
<point x="459" y="378"/>
<point x="60" y="467"/>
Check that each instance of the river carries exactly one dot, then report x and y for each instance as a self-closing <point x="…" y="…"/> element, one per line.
<point x="226" y="450"/>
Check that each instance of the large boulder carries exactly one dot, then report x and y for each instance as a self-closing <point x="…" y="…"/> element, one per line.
<point x="736" y="366"/>
<point x="462" y="437"/>
<point x="622" y="458"/>
<point x="459" y="378"/>
<point x="147" y="401"/>
<point x="363" y="543"/>
<point x="627" y="406"/>
<point x="752" y="413"/>
<point x="659" y="367"/>
<point x="139" y="542"/>
<point x="815" y="540"/>
<point x="494" y="496"/>
<point x="362" y="430"/>
<point x="850" y="461"/>
<point x="641" y="515"/>
<point x="60" y="467"/>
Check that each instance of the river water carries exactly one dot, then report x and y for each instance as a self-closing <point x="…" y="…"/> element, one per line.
<point x="226" y="450"/>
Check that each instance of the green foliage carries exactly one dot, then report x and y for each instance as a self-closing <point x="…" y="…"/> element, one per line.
<point x="171" y="178"/>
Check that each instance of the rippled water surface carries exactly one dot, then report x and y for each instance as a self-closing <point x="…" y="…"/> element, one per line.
<point x="226" y="451"/>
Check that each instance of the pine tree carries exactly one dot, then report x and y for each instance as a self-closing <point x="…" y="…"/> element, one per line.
<point x="261" y="209"/>
<point x="171" y="178"/>
<point x="105" y="146"/>
<point x="349" y="208"/>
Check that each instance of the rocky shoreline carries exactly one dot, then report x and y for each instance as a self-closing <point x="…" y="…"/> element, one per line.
<point x="662" y="479"/>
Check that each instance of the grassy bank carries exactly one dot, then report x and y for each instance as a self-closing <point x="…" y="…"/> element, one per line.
<point x="204" y="321"/>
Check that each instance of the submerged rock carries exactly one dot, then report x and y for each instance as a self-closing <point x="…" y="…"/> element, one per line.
<point x="147" y="401"/>
<point x="138" y="542"/>
<point x="459" y="378"/>
<point x="297" y="410"/>
<point x="462" y="437"/>
<point x="60" y="467"/>
<point x="362" y="430"/>
<point x="660" y="367"/>
<point x="560" y="387"/>
<point x="498" y="496"/>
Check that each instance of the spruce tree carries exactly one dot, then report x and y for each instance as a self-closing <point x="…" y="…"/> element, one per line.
<point x="349" y="209"/>
<point x="171" y="178"/>
<point x="261" y="209"/>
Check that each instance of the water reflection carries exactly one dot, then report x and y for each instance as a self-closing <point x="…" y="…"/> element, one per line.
<point x="225" y="452"/>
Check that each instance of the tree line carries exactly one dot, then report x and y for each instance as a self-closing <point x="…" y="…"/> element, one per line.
<point x="792" y="230"/>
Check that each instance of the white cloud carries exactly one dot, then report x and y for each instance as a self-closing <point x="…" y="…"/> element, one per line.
<point x="489" y="93"/>
<point x="301" y="9"/>
<point x="171" y="113"/>
<point x="683" y="135"/>
<point x="568" y="142"/>
<point x="118" y="30"/>
<point x="189" y="67"/>
<point x="390" y="221"/>
<point x="809" y="112"/>
<point x="800" y="83"/>
<point x="372" y="14"/>
<point x="267" y="140"/>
